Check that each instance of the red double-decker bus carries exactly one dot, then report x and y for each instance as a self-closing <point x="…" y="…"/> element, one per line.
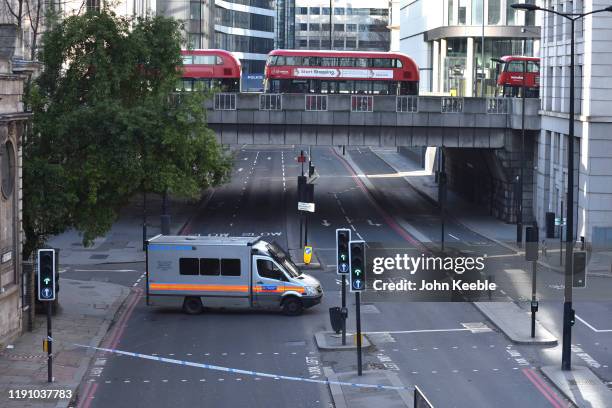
<point x="210" y="69"/>
<point x="383" y="73"/>
<point x="510" y="78"/>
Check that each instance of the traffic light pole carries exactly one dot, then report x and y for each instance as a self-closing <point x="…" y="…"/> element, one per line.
<point x="534" y="309"/>
<point x="343" y="308"/>
<point x="358" y="316"/>
<point x="49" y="345"/>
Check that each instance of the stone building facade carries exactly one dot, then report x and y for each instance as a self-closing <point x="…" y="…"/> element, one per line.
<point x="12" y="125"/>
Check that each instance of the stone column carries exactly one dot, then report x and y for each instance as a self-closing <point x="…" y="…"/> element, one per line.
<point x="469" y="68"/>
<point x="435" y="66"/>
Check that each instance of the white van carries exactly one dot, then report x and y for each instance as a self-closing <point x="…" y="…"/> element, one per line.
<point x="226" y="272"/>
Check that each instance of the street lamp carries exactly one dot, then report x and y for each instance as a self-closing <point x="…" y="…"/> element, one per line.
<point x="568" y="312"/>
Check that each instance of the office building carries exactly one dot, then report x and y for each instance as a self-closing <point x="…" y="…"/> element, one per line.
<point x="593" y="124"/>
<point x="355" y="25"/>
<point x="445" y="39"/>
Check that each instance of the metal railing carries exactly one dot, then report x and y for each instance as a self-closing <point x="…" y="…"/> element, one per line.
<point x="497" y="105"/>
<point x="408" y="103"/>
<point x="315" y="102"/>
<point x="270" y="102"/>
<point x="451" y="104"/>
<point x="225" y="101"/>
<point x="362" y="103"/>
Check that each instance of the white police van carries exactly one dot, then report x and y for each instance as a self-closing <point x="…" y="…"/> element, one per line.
<point x="226" y="272"/>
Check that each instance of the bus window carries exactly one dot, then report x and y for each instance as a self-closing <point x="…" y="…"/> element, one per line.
<point x="187" y="59"/>
<point x="514" y="66"/>
<point x="343" y="87"/>
<point x="346" y="62"/>
<point x="533" y="67"/>
<point x="205" y="59"/>
<point x="293" y="61"/>
<point x="381" y="62"/>
<point x="328" y="62"/>
<point x="361" y="62"/>
<point x="219" y="60"/>
<point x="398" y="63"/>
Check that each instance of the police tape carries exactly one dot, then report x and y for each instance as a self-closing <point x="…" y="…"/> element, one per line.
<point x="239" y="371"/>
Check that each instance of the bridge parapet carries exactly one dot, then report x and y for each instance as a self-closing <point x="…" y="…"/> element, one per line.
<point x="367" y="119"/>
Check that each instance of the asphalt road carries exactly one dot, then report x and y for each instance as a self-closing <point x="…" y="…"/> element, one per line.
<point x="428" y="344"/>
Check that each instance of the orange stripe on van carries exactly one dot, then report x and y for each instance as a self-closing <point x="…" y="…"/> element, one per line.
<point x="198" y="287"/>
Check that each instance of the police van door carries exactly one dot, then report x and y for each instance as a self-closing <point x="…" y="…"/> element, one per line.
<point x="268" y="283"/>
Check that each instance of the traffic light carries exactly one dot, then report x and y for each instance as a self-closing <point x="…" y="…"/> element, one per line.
<point x="531" y="246"/>
<point x="46" y="274"/>
<point x="343" y="237"/>
<point x="579" y="277"/>
<point x="357" y="265"/>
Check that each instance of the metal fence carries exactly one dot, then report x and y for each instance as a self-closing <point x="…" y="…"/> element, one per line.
<point x="497" y="105"/>
<point x="270" y="102"/>
<point x="362" y="103"/>
<point x="225" y="101"/>
<point x="315" y="102"/>
<point x="407" y="103"/>
<point x="451" y="105"/>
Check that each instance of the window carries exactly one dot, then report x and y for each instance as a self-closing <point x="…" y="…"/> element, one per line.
<point x="338" y="27"/>
<point x="303" y="43"/>
<point x="533" y="67"/>
<point x="351" y="43"/>
<point x="511" y="16"/>
<point x="462" y="11"/>
<point x="515" y="66"/>
<point x="351" y="27"/>
<point x="315" y="11"/>
<point x="325" y="11"/>
<point x="314" y="27"/>
<point x="314" y="44"/>
<point x="494" y="11"/>
<point x="209" y="267"/>
<point x="195" y="10"/>
<point x="363" y="28"/>
<point x="345" y="61"/>
<point x="230" y="267"/>
<point x="477" y="11"/>
<point x="325" y="27"/>
<point x="189" y="266"/>
<point x="302" y="11"/>
<point x="303" y="27"/>
<point x="329" y="61"/>
<point x="338" y="43"/>
<point x="338" y="11"/>
<point x="325" y="44"/>
<point x="206" y="60"/>
<point x="7" y="169"/>
<point x="382" y="62"/>
<point x="268" y="269"/>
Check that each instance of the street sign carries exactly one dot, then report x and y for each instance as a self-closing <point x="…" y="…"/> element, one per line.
<point x="46" y="274"/>
<point x="310" y="207"/>
<point x="301" y="159"/>
<point x="343" y="237"/>
<point x="561" y="222"/>
<point x="357" y="266"/>
<point x="307" y="254"/>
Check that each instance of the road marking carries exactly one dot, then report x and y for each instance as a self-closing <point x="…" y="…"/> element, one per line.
<point x="452" y="236"/>
<point x="424" y="331"/>
<point x="592" y="327"/>
<point x="373" y="223"/>
<point x="105" y="270"/>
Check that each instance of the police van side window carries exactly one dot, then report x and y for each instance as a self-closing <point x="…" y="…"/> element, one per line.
<point x="230" y="267"/>
<point x="189" y="266"/>
<point x="267" y="269"/>
<point x="209" y="267"/>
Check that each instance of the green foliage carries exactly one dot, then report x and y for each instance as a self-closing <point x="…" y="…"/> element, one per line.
<point x="107" y="123"/>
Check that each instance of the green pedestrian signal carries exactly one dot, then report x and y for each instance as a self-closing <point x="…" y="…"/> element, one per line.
<point x="46" y="274"/>
<point x="357" y="266"/>
<point x="343" y="237"/>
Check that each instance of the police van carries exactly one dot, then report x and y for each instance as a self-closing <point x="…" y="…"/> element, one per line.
<point x="226" y="272"/>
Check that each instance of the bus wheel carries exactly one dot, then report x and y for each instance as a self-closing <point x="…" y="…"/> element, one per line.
<point x="192" y="305"/>
<point x="292" y="306"/>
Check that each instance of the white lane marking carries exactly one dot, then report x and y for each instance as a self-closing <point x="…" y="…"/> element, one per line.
<point x="421" y="331"/>
<point x="452" y="236"/>
<point x="592" y="327"/>
<point x="240" y="169"/>
<point x="373" y="223"/>
<point x="104" y="270"/>
<point x="325" y="223"/>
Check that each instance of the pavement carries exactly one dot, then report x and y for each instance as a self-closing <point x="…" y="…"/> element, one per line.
<point x="580" y="385"/>
<point x="89" y="303"/>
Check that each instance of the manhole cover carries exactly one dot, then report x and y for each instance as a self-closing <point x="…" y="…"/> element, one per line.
<point x="98" y="256"/>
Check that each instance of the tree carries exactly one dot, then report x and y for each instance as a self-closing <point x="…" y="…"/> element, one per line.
<point x="107" y="124"/>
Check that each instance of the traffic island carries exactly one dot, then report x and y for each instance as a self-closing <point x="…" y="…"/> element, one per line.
<point x="353" y="396"/>
<point x="580" y="386"/>
<point x="515" y="323"/>
<point x="329" y="340"/>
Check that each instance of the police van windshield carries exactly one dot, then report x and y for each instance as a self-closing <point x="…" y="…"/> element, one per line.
<point x="283" y="259"/>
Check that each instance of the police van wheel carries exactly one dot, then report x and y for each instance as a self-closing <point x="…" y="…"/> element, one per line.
<point x="192" y="305"/>
<point x="292" y="306"/>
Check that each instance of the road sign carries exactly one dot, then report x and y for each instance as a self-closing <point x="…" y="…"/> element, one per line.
<point x="46" y="274"/>
<point x="307" y="254"/>
<point x="343" y="237"/>
<point x="559" y="221"/>
<point x="301" y="159"/>
<point x="357" y="266"/>
<point x="310" y="207"/>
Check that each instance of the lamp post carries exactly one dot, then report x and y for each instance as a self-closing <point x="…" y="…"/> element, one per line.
<point x="568" y="312"/>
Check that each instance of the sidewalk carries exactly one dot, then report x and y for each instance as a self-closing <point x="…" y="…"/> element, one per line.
<point x="86" y="312"/>
<point x="123" y="243"/>
<point x="87" y="308"/>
